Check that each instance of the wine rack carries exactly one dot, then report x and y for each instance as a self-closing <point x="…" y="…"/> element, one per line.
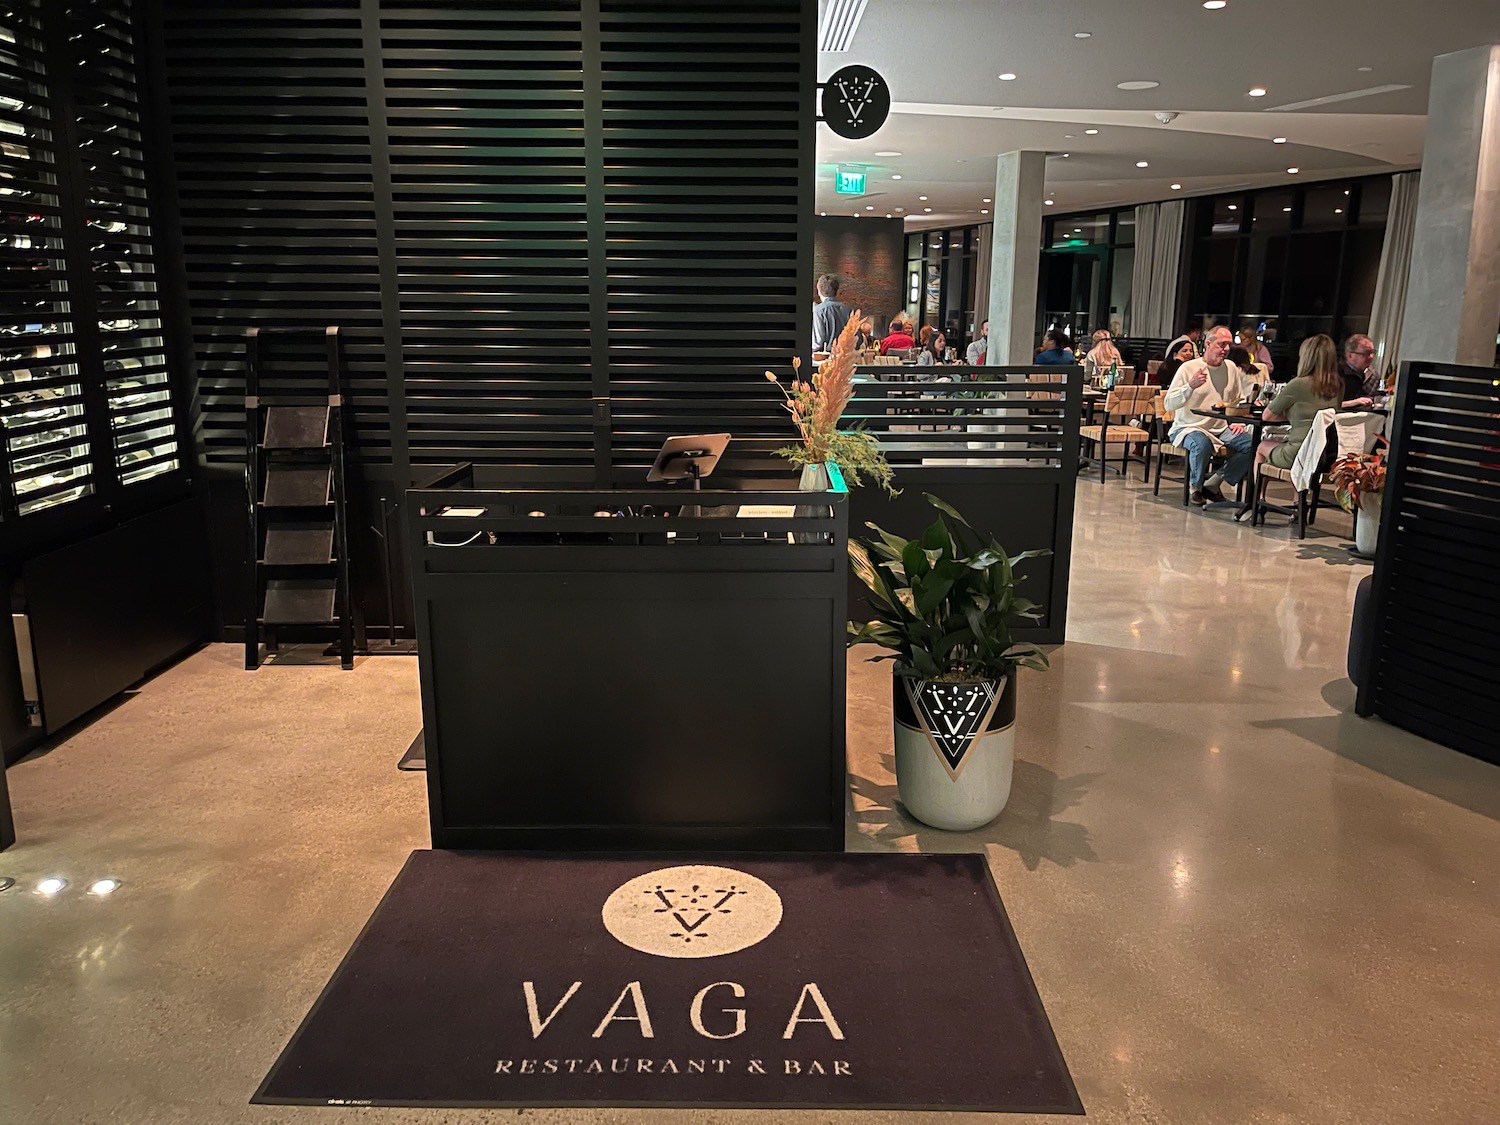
<point x="89" y="408"/>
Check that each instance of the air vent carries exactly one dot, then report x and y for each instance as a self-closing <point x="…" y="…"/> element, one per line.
<point x="840" y="22"/>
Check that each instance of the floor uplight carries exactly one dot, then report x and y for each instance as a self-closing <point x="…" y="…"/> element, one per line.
<point x="51" y="885"/>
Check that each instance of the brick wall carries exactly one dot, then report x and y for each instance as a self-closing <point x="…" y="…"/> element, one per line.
<point x="869" y="257"/>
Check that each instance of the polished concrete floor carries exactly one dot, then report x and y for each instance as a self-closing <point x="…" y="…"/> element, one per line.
<point x="1240" y="902"/>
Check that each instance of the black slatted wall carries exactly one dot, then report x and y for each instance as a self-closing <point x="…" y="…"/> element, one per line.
<point x="1434" y="665"/>
<point x="707" y="178"/>
<point x="554" y="231"/>
<point x="270" y="138"/>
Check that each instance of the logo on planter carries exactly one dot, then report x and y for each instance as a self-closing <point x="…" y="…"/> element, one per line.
<point x="953" y="715"/>
<point x="692" y="911"/>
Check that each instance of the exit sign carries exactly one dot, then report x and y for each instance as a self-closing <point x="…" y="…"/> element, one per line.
<point x="849" y="181"/>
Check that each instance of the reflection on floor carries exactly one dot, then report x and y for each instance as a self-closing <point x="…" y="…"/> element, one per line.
<point x="1240" y="902"/>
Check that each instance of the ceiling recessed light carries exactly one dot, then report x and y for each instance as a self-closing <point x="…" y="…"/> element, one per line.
<point x="1278" y="140"/>
<point x="1257" y="91"/>
<point x="899" y="209"/>
<point x="1366" y="69"/>
<point x="983" y="211"/>
<point x="1007" y="77"/>
<point x="1215" y="5"/>
<point x="1293" y="171"/>
<point x="888" y="216"/>
<point x="1338" y="210"/>
<point x="897" y="176"/>
<point x="1143" y="164"/>
<point x="1137" y="84"/>
<point x="1234" y="206"/>
<point x="102" y="887"/>
<point x="51" y="885"/>
<point x="1048" y="202"/>
<point x="923" y="198"/>
<point x="888" y="152"/>
<point x="1346" y="191"/>
<point x="1176" y="187"/>
<point x="1069" y="137"/>
<point x="1077" y="230"/>
<point x="1288" y="210"/>
<point x="1091" y="132"/>
<point x="869" y="206"/>
<point x="988" y="200"/>
<point x="1082" y="34"/>
<point x="927" y="209"/>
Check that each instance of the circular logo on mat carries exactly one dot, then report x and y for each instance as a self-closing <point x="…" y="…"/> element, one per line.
<point x="692" y="911"/>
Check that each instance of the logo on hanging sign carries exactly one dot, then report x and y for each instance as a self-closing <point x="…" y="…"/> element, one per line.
<point x="855" y="102"/>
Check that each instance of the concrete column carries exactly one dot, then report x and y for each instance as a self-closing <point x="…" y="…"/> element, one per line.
<point x="1015" y="256"/>
<point x="1453" y="297"/>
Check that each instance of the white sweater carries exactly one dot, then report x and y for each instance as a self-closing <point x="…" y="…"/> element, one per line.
<point x="1226" y="383"/>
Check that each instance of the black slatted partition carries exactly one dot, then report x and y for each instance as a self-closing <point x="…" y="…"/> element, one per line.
<point x="1433" y="658"/>
<point x="552" y="232"/>
<point x="484" y="105"/>
<point x="708" y="198"/>
<point x="270" y="137"/>
<point x="1000" y="444"/>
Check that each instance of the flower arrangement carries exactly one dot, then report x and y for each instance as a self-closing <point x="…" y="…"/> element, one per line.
<point x="817" y="406"/>
<point x="1355" y="474"/>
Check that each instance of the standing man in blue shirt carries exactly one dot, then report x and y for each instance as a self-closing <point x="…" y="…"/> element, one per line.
<point x="829" y="314"/>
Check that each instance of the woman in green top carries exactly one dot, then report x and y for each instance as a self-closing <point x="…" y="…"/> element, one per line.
<point x="1318" y="386"/>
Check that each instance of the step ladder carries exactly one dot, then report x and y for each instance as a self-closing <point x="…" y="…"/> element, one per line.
<point x="298" y="500"/>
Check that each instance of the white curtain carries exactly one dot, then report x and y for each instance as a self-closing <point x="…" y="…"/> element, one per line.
<point x="1389" y="308"/>
<point x="1153" y="284"/>
<point x="982" y="276"/>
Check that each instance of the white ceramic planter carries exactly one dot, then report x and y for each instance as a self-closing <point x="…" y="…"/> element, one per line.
<point x="1367" y="523"/>
<point x="962" y="798"/>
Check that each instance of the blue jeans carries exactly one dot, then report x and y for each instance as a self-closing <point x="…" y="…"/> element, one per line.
<point x="1200" y="449"/>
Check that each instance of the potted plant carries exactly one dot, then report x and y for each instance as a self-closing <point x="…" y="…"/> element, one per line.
<point x="945" y="605"/>
<point x="816" y="408"/>
<point x="1359" y="480"/>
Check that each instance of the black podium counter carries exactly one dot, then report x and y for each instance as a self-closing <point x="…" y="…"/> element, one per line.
<point x="666" y="674"/>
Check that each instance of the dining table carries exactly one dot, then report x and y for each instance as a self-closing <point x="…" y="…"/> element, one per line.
<point x="1256" y="424"/>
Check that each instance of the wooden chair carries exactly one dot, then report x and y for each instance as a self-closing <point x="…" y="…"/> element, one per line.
<point x="1124" y="403"/>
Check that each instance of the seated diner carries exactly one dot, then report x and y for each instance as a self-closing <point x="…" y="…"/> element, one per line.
<point x="1317" y="386"/>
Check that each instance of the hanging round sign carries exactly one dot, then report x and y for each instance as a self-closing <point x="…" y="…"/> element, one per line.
<point x="855" y="103"/>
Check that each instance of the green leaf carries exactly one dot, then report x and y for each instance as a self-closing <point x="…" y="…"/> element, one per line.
<point x="945" y="508"/>
<point x="915" y="561"/>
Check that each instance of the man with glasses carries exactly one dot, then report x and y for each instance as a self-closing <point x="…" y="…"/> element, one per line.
<point x="1360" y="379"/>
<point x="1199" y="386"/>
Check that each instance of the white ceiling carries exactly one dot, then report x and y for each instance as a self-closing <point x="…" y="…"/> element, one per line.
<point x="952" y="114"/>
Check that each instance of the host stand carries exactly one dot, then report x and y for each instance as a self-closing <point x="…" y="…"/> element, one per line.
<point x="610" y="669"/>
